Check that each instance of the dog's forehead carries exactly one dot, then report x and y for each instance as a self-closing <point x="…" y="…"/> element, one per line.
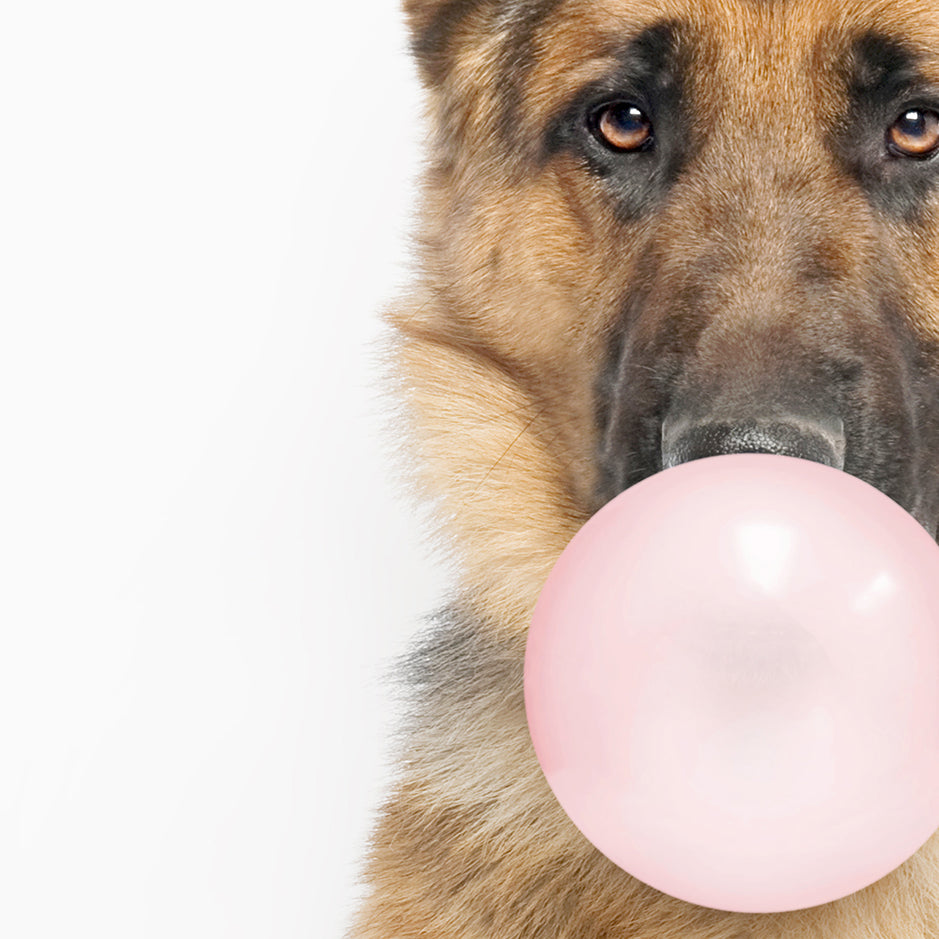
<point x="913" y="19"/>
<point x="575" y="38"/>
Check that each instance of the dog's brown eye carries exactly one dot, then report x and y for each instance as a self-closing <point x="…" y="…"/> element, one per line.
<point x="915" y="133"/>
<point x="622" y="126"/>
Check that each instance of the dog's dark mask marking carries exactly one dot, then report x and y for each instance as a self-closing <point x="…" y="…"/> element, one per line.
<point x="651" y="76"/>
<point x="883" y="81"/>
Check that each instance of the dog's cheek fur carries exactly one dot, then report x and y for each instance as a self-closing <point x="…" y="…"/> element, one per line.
<point x="503" y="487"/>
<point x="916" y="251"/>
<point x="498" y="419"/>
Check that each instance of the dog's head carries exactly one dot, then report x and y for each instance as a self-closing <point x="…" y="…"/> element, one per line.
<point x="664" y="230"/>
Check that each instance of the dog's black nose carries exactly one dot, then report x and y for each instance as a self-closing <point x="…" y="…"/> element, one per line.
<point x="821" y="442"/>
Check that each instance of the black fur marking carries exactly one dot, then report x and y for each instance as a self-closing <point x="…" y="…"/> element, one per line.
<point x="883" y="81"/>
<point x="520" y="21"/>
<point x="458" y="649"/>
<point x="653" y="76"/>
<point x="432" y="44"/>
<point x="457" y="669"/>
<point x="517" y="19"/>
<point x="633" y="392"/>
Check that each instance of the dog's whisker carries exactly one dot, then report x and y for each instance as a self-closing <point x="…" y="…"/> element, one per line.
<point x="505" y="452"/>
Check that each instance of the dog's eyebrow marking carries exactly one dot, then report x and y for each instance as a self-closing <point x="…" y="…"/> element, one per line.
<point x="882" y="67"/>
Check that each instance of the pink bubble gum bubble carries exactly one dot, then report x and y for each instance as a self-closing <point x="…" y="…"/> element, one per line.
<point x="732" y="682"/>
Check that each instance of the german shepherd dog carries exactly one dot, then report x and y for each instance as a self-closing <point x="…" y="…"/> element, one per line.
<point x="652" y="231"/>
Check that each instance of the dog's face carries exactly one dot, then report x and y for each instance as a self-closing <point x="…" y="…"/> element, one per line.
<point x="663" y="230"/>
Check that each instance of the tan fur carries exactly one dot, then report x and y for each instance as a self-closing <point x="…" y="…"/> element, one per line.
<point x="495" y="358"/>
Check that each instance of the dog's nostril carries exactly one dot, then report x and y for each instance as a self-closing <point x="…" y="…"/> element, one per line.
<point x="819" y="441"/>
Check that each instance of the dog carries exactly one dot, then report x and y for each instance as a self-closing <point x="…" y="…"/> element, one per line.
<point x="651" y="231"/>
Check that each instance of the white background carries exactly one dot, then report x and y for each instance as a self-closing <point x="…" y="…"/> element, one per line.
<point x="204" y="569"/>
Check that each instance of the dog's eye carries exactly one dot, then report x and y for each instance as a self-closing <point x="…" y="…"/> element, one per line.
<point x="622" y="126"/>
<point x="915" y="133"/>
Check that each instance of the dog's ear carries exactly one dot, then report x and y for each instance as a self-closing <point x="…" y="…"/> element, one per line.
<point x="435" y="26"/>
